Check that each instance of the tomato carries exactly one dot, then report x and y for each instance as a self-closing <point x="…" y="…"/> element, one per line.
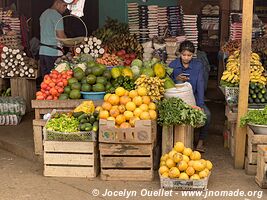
<point x="39" y="93"/>
<point x="46" y="77"/>
<point x="43" y="85"/>
<point x="47" y="81"/>
<point x="65" y="82"/>
<point x="60" y="84"/>
<point x="47" y="93"/>
<point x="48" y="88"/>
<point x="55" y="98"/>
<point x="43" y="90"/>
<point x="54" y="92"/>
<point x="60" y="90"/>
<point x="49" y="97"/>
<point x="54" y="72"/>
<point x="40" y="97"/>
<point x="59" y="76"/>
<point x="52" y="84"/>
<point x="64" y="76"/>
<point x="69" y="76"/>
<point x="69" y="72"/>
<point x="54" y="76"/>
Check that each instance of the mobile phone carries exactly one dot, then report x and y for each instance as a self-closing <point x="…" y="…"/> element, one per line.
<point x="185" y="74"/>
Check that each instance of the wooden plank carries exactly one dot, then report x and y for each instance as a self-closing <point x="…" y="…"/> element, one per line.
<point x="56" y="104"/>
<point x="250" y="169"/>
<point x="37" y="114"/>
<point x="255" y="138"/>
<point x="69" y="147"/>
<point x="68" y="159"/>
<point x="184" y="134"/>
<point x="40" y="122"/>
<point x="38" y="139"/>
<point x="125" y="149"/>
<point x="167" y="139"/>
<point x="261" y="178"/>
<point x="61" y="171"/>
<point x="231" y="116"/>
<point x="131" y="175"/>
<point x="244" y="81"/>
<point x="126" y="162"/>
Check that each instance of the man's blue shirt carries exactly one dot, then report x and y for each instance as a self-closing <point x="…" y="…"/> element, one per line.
<point x="196" y="78"/>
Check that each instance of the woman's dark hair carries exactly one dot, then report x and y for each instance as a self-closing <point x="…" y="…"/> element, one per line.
<point x="187" y="45"/>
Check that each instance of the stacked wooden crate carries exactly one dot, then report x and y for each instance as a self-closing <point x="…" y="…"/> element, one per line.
<point x="253" y="141"/>
<point x="127" y="153"/>
<point x="42" y="107"/>
<point x="261" y="175"/>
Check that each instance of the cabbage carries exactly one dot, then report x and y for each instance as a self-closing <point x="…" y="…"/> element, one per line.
<point x="62" y="67"/>
<point x="137" y="62"/>
<point x="81" y="65"/>
<point x="136" y="71"/>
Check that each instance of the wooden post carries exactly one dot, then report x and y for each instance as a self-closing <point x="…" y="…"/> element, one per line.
<point x="244" y="81"/>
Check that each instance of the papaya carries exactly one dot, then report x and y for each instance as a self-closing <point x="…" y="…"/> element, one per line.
<point x="159" y="70"/>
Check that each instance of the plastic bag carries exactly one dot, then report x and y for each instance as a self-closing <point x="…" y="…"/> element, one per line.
<point x="12" y="106"/>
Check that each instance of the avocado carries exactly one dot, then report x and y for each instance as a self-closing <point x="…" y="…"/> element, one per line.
<point x="63" y="96"/>
<point x="260" y="95"/>
<point x="83" y="80"/>
<point x="86" y="87"/>
<point x="108" y="86"/>
<point x="75" y="94"/>
<point x="107" y="74"/>
<point x="72" y="80"/>
<point x="101" y="80"/>
<point x="96" y="113"/>
<point x="88" y="71"/>
<point x="254" y="96"/>
<point x="77" y="114"/>
<point x="97" y="71"/>
<point x="79" y="75"/>
<point x="75" y="86"/>
<point x="83" y="116"/>
<point x="98" y="87"/>
<point x="263" y="100"/>
<point x="91" y="79"/>
<point x="257" y="100"/>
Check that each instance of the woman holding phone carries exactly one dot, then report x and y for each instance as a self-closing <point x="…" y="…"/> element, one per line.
<point x="188" y="69"/>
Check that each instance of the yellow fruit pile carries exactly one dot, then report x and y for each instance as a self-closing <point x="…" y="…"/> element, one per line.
<point x="183" y="163"/>
<point x="125" y="108"/>
<point x="154" y="85"/>
<point x="231" y="74"/>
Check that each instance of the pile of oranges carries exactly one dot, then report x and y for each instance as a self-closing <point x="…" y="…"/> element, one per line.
<point x="125" y="107"/>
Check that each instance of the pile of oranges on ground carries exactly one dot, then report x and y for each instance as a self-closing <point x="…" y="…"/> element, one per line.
<point x="125" y="107"/>
<point x="183" y="163"/>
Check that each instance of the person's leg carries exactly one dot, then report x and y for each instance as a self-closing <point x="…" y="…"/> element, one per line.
<point x="47" y="63"/>
<point x="204" y="130"/>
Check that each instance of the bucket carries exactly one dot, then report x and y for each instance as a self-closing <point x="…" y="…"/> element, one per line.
<point x="183" y="91"/>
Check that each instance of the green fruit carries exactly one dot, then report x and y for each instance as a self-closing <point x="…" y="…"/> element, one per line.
<point x="101" y="66"/>
<point x="263" y="100"/>
<point x="251" y="91"/>
<point x="86" y="87"/>
<point x="77" y="114"/>
<point x="108" y="85"/>
<point x="63" y="96"/>
<point x="75" y="94"/>
<point x="148" y="72"/>
<point x="88" y="71"/>
<point x="88" y="127"/>
<point x="82" y="127"/>
<point x="92" y="119"/>
<point x="159" y="70"/>
<point x="72" y="80"/>
<point x="84" y="121"/>
<point x="257" y="100"/>
<point x="252" y="86"/>
<point x="91" y="64"/>
<point x="101" y="80"/>
<point x="91" y="79"/>
<point x="97" y="71"/>
<point x="79" y="75"/>
<point x="254" y="96"/>
<point x="98" y="87"/>
<point x="95" y="126"/>
<point x="260" y="96"/>
<point x="83" y="80"/>
<point x="107" y="74"/>
<point x="77" y="69"/>
<point x="76" y="86"/>
<point x="96" y="113"/>
<point x="67" y="89"/>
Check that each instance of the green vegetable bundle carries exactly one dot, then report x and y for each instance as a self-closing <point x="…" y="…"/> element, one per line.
<point x="174" y="111"/>
<point x="258" y="117"/>
<point x="63" y="123"/>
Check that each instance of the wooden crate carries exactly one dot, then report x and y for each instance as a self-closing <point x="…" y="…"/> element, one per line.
<point x="43" y="107"/>
<point x="261" y="176"/>
<point x="250" y="169"/>
<point x="71" y="159"/>
<point x="178" y="133"/>
<point x="24" y="88"/>
<point x="230" y="114"/>
<point x="144" y="132"/>
<point x="126" y="161"/>
<point x="232" y="128"/>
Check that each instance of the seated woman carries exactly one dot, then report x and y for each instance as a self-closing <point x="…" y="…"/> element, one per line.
<point x="187" y="68"/>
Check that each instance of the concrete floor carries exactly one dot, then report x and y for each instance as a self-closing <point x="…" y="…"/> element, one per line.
<point x="22" y="179"/>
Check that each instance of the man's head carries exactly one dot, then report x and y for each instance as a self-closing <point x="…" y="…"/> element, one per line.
<point x="60" y="6"/>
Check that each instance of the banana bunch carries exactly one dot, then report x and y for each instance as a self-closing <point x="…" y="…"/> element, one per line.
<point x="231" y="74"/>
<point x="154" y="86"/>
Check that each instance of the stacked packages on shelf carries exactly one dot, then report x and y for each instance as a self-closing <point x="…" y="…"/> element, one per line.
<point x="190" y="28"/>
<point x="175" y="22"/>
<point x="11" y="110"/>
<point x="210" y="10"/>
<point x="133" y="19"/>
<point x="162" y="20"/>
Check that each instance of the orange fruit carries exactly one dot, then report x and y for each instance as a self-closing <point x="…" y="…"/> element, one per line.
<point x="120" y="119"/>
<point x="125" y="125"/>
<point x="111" y="118"/>
<point x="114" y="99"/>
<point x="190" y="171"/>
<point x="126" y="93"/>
<point x="144" y="107"/>
<point x="138" y="100"/>
<point x="145" y="116"/>
<point x="103" y="114"/>
<point x="137" y="112"/>
<point x="114" y="112"/>
<point x="146" y="99"/>
<point x="99" y="108"/>
<point x="128" y="114"/>
<point x="152" y="114"/>
<point x="106" y="106"/>
<point x="133" y="93"/>
<point x="106" y="97"/>
<point x="122" y="109"/>
<point x="130" y="106"/>
<point x="120" y="91"/>
<point x="124" y="100"/>
<point x="152" y="106"/>
<point x="142" y="91"/>
<point x="133" y="120"/>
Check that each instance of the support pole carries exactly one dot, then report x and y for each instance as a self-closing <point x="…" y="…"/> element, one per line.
<point x="240" y="140"/>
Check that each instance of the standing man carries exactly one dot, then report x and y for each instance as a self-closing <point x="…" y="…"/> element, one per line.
<point x="51" y="26"/>
<point x="188" y="69"/>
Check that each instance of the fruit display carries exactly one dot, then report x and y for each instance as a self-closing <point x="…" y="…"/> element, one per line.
<point x="53" y="85"/>
<point x="87" y="121"/>
<point x="231" y="46"/>
<point x="183" y="163"/>
<point x="110" y="60"/>
<point x="257" y="117"/>
<point x="231" y="74"/>
<point x="121" y="71"/>
<point x="126" y="107"/>
<point x="257" y="93"/>
<point x="154" y="86"/>
<point x="175" y="111"/>
<point x="122" y="81"/>
<point x="127" y="58"/>
<point x="91" y="46"/>
<point x="94" y="78"/>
